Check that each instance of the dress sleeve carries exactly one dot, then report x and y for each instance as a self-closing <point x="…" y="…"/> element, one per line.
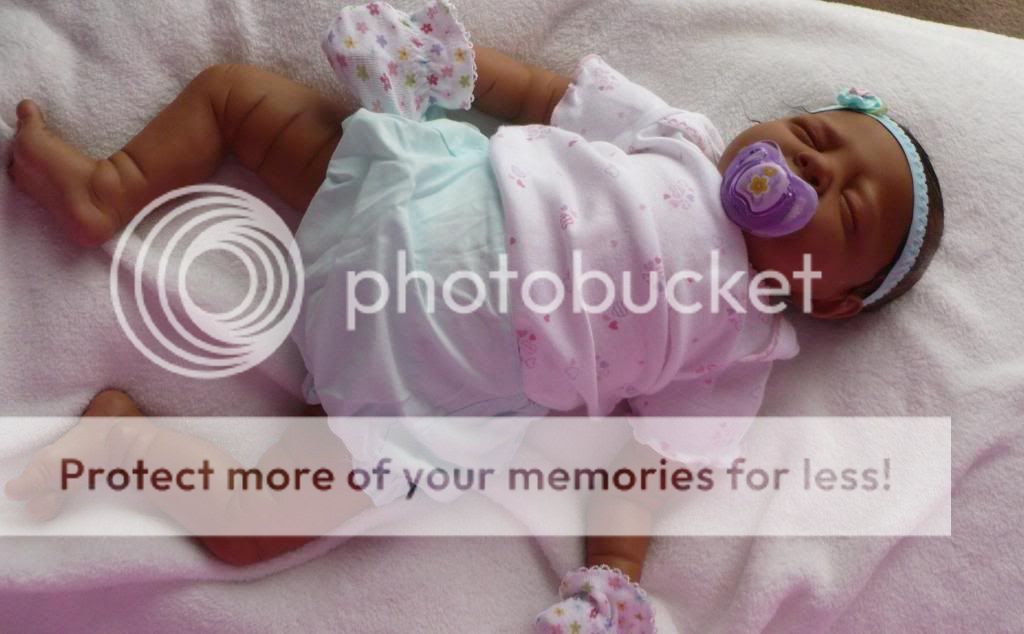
<point x="403" y="64"/>
<point x="601" y="104"/>
<point x="732" y="395"/>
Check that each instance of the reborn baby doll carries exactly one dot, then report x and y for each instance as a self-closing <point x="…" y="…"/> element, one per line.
<point x="599" y="174"/>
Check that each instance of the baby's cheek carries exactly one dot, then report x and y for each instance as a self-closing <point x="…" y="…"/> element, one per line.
<point x="786" y="255"/>
<point x="824" y="272"/>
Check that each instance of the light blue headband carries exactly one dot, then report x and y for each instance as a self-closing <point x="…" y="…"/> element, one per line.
<point x="864" y="102"/>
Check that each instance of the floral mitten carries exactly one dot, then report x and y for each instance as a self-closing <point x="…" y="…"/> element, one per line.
<point x="401" y="63"/>
<point x="598" y="600"/>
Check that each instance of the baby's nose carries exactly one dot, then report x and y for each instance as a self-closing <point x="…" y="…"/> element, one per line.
<point x="813" y="170"/>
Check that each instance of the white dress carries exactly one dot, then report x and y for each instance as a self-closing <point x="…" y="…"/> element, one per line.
<point x="619" y="175"/>
<point x="631" y="184"/>
<point x="405" y="180"/>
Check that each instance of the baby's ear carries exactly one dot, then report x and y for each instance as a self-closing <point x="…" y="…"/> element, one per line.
<point x="840" y="308"/>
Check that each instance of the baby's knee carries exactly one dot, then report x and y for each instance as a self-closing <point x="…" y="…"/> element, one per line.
<point x="233" y="92"/>
<point x="216" y="75"/>
<point x="213" y="82"/>
<point x="218" y="81"/>
<point x="248" y="550"/>
<point x="234" y="551"/>
<point x="112" y="402"/>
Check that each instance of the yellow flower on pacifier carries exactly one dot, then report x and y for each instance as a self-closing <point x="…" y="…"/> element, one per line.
<point x="758" y="185"/>
<point x="769" y="171"/>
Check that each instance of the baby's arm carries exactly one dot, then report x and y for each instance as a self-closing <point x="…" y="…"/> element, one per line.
<point x="517" y="92"/>
<point x="631" y="514"/>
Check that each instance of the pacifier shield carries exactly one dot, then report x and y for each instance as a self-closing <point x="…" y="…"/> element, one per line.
<point x="763" y="196"/>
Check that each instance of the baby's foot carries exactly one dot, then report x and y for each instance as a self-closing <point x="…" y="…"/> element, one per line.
<point x="60" y="178"/>
<point x="109" y="428"/>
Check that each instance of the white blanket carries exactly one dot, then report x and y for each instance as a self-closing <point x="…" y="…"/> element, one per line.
<point x="953" y="347"/>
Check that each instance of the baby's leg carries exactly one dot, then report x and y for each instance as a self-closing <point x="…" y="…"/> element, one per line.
<point x="113" y="432"/>
<point x="281" y="130"/>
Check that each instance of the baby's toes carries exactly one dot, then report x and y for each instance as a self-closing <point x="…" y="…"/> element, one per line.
<point x="39" y="478"/>
<point x="29" y="114"/>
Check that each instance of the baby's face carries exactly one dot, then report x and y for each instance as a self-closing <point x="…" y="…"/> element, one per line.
<point x="865" y="203"/>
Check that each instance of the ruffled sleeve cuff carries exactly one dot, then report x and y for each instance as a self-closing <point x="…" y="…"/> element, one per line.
<point x="701" y="421"/>
<point x="602" y="104"/>
<point x="403" y="64"/>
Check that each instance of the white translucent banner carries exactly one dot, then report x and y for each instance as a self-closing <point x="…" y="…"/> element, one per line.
<point x="457" y="476"/>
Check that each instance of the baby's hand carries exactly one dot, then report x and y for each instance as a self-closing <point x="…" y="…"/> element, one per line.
<point x="96" y="440"/>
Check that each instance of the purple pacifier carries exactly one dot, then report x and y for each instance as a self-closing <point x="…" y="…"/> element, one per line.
<point x="763" y="196"/>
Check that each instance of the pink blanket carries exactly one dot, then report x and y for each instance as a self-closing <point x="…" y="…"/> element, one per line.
<point x="954" y="347"/>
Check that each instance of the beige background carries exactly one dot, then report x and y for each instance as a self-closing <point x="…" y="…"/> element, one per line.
<point x="998" y="16"/>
